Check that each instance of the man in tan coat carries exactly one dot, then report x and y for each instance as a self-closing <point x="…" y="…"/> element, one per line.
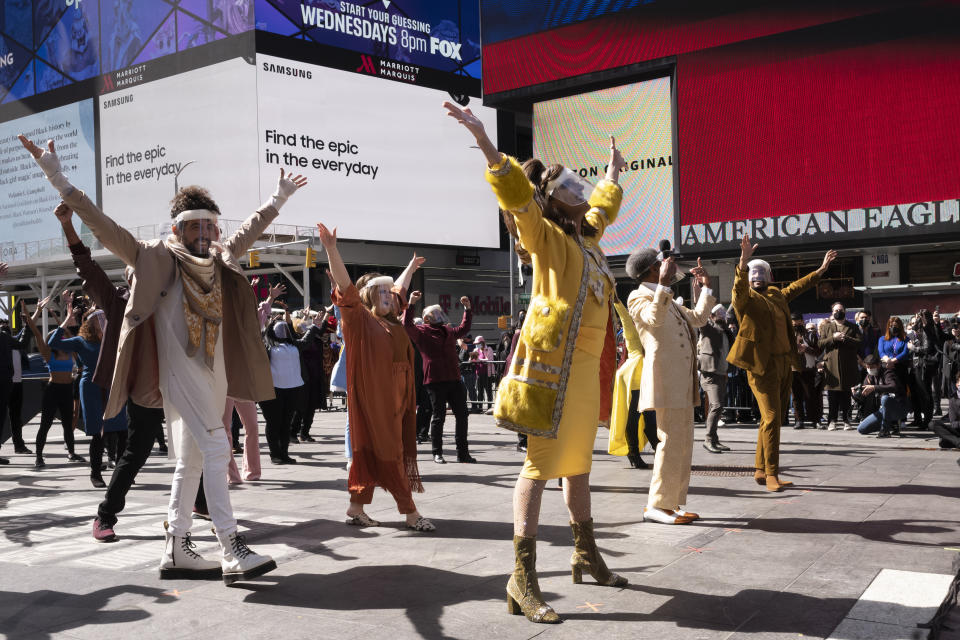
<point x="766" y="348"/>
<point x="190" y="319"/>
<point x="668" y="382"/>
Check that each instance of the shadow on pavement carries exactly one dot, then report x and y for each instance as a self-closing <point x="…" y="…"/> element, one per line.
<point x="54" y="612"/>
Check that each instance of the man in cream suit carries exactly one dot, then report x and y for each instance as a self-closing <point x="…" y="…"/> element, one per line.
<point x="669" y="378"/>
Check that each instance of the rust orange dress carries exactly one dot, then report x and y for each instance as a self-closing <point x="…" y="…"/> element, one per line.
<point x="381" y="402"/>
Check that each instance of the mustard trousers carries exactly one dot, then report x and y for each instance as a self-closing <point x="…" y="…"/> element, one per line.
<point x="772" y="391"/>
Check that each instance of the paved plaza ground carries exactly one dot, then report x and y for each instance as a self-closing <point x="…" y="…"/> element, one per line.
<point x="865" y="546"/>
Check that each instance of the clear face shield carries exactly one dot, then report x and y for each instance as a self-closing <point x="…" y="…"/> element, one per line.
<point x="759" y="274"/>
<point x="382" y="296"/>
<point x="570" y="188"/>
<point x="197" y="230"/>
<point x="434" y="315"/>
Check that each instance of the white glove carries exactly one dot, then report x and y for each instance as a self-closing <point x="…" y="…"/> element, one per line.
<point x="50" y="165"/>
<point x="285" y="188"/>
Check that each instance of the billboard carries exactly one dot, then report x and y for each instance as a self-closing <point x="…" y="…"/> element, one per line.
<point x="574" y="131"/>
<point x="26" y="199"/>
<point x="48" y="44"/>
<point x="383" y="161"/>
<point x="199" y="124"/>
<point x="399" y="39"/>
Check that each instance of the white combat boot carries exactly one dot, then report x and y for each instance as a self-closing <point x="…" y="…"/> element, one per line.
<point x="239" y="562"/>
<point x="181" y="562"/>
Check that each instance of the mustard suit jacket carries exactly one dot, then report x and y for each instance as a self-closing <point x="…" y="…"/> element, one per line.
<point x="531" y="395"/>
<point x="758" y="322"/>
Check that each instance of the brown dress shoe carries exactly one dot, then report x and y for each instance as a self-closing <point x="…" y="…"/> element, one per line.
<point x="760" y="476"/>
<point x="774" y="483"/>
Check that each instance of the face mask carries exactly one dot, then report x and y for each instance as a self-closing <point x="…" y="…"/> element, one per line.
<point x="838" y="315"/>
<point x="873" y="372"/>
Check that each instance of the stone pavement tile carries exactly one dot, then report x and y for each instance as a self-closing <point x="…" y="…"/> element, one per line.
<point x="861" y="630"/>
<point x="903" y="598"/>
<point x="886" y="554"/>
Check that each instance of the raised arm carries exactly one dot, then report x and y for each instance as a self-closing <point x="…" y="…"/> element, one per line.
<point x="96" y="283"/>
<point x="407" y="318"/>
<point x="115" y="238"/>
<point x="31" y="322"/>
<point x="254" y="226"/>
<point x="705" y="300"/>
<point x="467" y="321"/>
<point x="741" y="283"/>
<point x="475" y="127"/>
<point x="415" y="263"/>
<point x="794" y="289"/>
<point x="338" y="270"/>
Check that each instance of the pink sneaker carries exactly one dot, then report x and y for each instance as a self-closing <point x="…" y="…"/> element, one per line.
<point x="103" y="533"/>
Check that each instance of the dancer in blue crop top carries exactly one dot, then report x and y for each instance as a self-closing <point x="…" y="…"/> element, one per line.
<point x="57" y="394"/>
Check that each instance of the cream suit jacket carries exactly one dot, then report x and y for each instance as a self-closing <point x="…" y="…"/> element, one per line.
<point x="668" y="333"/>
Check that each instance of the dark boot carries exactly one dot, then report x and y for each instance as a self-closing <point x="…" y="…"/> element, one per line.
<point x="523" y="590"/>
<point x="636" y="462"/>
<point x="587" y="556"/>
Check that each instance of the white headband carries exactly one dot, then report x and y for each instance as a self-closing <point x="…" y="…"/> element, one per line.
<point x="194" y="214"/>
<point x="380" y="282"/>
<point x="434" y="308"/>
<point x="101" y="318"/>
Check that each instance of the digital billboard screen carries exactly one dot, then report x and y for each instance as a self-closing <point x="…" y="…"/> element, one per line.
<point x="384" y="162"/>
<point x="574" y="131"/>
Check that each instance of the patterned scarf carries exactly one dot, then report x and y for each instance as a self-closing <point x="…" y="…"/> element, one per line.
<point x="202" y="300"/>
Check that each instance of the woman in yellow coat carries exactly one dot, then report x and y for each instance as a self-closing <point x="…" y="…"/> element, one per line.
<point x="560" y="381"/>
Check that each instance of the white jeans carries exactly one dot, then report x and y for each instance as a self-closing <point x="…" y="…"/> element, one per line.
<point x="199" y="450"/>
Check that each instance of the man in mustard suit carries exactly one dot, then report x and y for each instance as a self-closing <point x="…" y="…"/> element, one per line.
<point x="668" y="382"/>
<point x="765" y="348"/>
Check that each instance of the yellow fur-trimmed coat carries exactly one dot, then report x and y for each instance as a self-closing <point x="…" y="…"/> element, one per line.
<point x="566" y="270"/>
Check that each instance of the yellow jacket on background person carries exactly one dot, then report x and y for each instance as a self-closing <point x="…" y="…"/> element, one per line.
<point x="627" y="379"/>
<point x="566" y="270"/>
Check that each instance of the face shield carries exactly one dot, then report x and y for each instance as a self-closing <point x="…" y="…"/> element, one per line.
<point x="434" y="315"/>
<point x="760" y="275"/>
<point x="197" y="230"/>
<point x="570" y="188"/>
<point x="382" y="295"/>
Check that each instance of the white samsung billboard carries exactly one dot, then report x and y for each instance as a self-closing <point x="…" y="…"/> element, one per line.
<point x="575" y="132"/>
<point x="27" y="200"/>
<point x="205" y="118"/>
<point x="383" y="160"/>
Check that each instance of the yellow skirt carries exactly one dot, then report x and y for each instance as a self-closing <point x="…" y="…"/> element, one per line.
<point x="571" y="453"/>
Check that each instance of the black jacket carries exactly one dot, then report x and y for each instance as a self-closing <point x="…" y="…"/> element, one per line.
<point x="8" y="343"/>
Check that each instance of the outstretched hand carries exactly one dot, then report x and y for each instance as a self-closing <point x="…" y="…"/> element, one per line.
<point x="417" y="261"/>
<point x="466" y="118"/>
<point x="288" y="184"/>
<point x="465" y="301"/>
<point x="327" y="238"/>
<point x="829" y="257"/>
<point x="747" y="249"/>
<point x="701" y="277"/>
<point x="415" y="298"/>
<point x="616" y="159"/>
<point x="46" y="158"/>
<point x="277" y="290"/>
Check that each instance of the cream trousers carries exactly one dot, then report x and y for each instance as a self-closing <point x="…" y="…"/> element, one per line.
<point x="671" y="466"/>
